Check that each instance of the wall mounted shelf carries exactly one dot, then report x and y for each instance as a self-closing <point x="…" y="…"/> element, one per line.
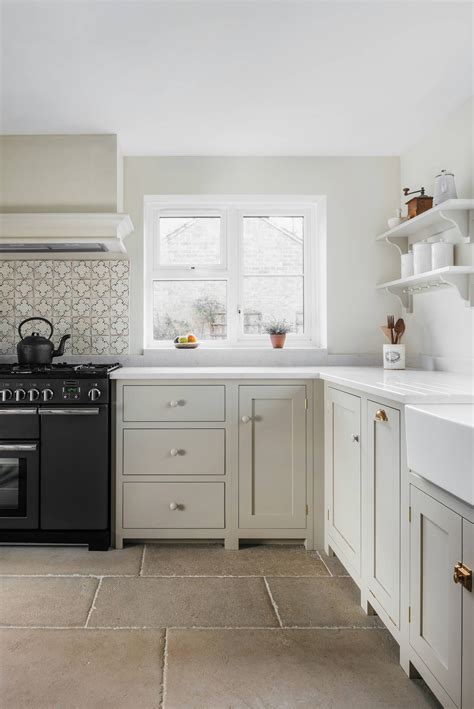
<point x="454" y="214"/>
<point x="460" y="277"/>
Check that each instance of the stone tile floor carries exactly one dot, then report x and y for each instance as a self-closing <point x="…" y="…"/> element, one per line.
<point x="193" y="626"/>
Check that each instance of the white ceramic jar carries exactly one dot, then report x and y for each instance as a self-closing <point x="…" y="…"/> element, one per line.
<point x="421" y="258"/>
<point x="394" y="356"/>
<point x="407" y="265"/>
<point x="442" y="254"/>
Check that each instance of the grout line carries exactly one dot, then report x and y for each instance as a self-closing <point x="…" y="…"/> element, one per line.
<point x="324" y="563"/>
<point x="168" y="576"/>
<point x="192" y="627"/>
<point x="142" y="561"/>
<point x="93" y="602"/>
<point x="272" y="600"/>
<point x="164" y="669"/>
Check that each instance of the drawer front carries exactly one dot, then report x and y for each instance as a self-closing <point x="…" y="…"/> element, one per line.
<point x="160" y="505"/>
<point x="172" y="451"/>
<point x="173" y="403"/>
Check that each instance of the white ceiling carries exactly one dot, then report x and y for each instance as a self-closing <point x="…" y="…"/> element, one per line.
<point x="235" y="78"/>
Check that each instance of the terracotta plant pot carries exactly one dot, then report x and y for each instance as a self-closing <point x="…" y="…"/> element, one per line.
<point x="278" y="341"/>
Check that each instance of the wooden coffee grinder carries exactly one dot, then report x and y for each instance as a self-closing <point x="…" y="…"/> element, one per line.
<point x="417" y="205"/>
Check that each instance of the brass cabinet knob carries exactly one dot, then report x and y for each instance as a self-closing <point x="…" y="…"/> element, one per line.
<point x="380" y="415"/>
<point x="463" y="575"/>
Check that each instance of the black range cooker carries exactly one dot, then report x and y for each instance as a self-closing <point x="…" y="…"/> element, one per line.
<point x="55" y="454"/>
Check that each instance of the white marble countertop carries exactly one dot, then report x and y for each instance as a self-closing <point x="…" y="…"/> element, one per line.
<point x="410" y="386"/>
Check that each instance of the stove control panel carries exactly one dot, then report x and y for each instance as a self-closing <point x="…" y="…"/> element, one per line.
<point x="53" y="391"/>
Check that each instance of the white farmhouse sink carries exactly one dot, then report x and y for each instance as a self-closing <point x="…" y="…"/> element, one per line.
<point x="440" y="446"/>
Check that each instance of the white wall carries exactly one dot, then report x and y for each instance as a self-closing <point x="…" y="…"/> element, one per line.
<point x="59" y="173"/>
<point x="441" y="326"/>
<point x="361" y="193"/>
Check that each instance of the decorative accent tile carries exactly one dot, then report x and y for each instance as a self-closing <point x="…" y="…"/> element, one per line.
<point x="81" y="269"/>
<point x="81" y="307"/>
<point x="87" y="299"/>
<point x="7" y="270"/>
<point x="101" y="326"/>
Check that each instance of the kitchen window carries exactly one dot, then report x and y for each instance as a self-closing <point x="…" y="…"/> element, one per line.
<point x="223" y="268"/>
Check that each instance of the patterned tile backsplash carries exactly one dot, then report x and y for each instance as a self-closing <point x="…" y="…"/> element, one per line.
<point x="86" y="299"/>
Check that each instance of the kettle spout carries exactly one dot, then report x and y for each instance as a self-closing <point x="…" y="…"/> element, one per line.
<point x="60" y="351"/>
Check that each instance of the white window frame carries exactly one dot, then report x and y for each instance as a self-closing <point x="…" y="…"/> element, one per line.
<point x="231" y="209"/>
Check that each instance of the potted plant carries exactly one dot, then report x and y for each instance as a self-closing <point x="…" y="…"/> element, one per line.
<point x="277" y="329"/>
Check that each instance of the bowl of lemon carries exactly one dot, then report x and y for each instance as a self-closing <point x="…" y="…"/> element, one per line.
<point x="186" y="342"/>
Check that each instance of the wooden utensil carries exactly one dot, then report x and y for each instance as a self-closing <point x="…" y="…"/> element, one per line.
<point x="387" y="332"/>
<point x="399" y="330"/>
<point x="391" y="325"/>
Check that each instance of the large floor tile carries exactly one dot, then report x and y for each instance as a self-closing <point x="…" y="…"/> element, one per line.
<point x="176" y="602"/>
<point x="46" y="601"/>
<point x="70" y="560"/>
<point x="75" y="669"/>
<point x="330" y="669"/>
<point x="325" y="602"/>
<point x="214" y="560"/>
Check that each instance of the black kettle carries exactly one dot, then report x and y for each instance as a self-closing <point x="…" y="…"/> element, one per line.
<point x="36" y="349"/>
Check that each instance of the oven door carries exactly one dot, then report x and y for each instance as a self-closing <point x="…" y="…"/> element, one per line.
<point x="19" y="484"/>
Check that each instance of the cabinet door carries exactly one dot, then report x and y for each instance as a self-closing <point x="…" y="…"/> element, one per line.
<point x="383" y="508"/>
<point x="468" y="619"/>
<point x="435" y="600"/>
<point x="344" y="473"/>
<point x="272" y="457"/>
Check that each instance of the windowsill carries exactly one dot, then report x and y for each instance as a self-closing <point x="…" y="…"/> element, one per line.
<point x="237" y="348"/>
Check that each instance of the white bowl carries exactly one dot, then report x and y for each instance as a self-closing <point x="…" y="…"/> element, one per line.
<point x="186" y="345"/>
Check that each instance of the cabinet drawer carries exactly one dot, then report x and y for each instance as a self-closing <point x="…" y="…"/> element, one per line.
<point x="173" y="403"/>
<point x="173" y="451"/>
<point x="160" y="505"/>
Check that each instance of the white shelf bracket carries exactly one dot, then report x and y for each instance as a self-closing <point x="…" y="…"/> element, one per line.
<point x="465" y="286"/>
<point x="459" y="219"/>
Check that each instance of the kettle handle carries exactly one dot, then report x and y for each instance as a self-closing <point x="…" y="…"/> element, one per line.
<point x="29" y="319"/>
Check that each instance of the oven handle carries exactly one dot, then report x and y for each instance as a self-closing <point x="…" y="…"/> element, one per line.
<point x="18" y="412"/>
<point x="69" y="412"/>
<point x="17" y="446"/>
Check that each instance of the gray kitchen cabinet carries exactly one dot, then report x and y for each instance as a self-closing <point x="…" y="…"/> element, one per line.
<point x="272" y="457"/>
<point x="468" y="618"/>
<point x="383" y="507"/>
<point x="343" y="477"/>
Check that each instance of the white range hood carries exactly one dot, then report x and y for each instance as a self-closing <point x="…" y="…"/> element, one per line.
<point x="97" y="232"/>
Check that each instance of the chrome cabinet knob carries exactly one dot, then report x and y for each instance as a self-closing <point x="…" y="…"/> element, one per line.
<point x="174" y="404"/>
<point x="355" y="437"/>
<point x="33" y="394"/>
<point x="20" y="394"/>
<point x="174" y="452"/>
<point x="94" y="394"/>
<point x="245" y="419"/>
<point x="173" y="506"/>
<point x="47" y="394"/>
<point x="5" y="394"/>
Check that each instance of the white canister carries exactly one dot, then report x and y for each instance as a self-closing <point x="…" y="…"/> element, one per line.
<point x="442" y="253"/>
<point x="421" y="258"/>
<point x="407" y="265"/>
<point x="394" y="356"/>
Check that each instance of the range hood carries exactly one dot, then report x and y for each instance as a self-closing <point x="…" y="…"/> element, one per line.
<point x="96" y="232"/>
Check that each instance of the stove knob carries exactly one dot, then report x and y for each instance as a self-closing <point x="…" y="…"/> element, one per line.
<point x="47" y="394"/>
<point x="94" y="394"/>
<point x="20" y="394"/>
<point x="33" y="394"/>
<point x="5" y="394"/>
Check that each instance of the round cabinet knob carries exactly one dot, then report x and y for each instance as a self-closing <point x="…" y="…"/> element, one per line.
<point x="174" y="404"/>
<point x="33" y="394"/>
<point x="380" y="415"/>
<point x="245" y="419"/>
<point x="5" y="394"/>
<point x="174" y="452"/>
<point x="47" y="394"/>
<point x="20" y="394"/>
<point x="355" y="437"/>
<point x="94" y="394"/>
<point x="173" y="506"/>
